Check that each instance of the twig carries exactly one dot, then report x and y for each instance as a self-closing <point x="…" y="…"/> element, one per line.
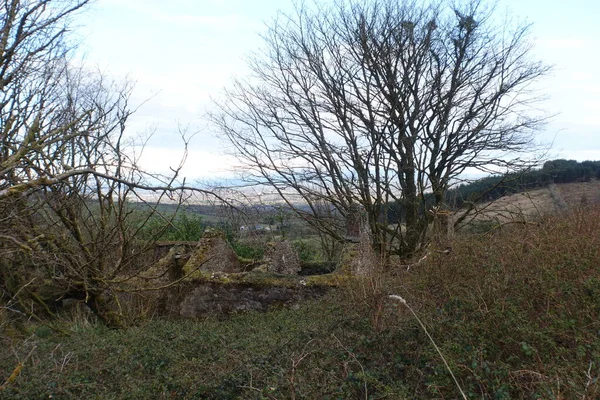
<point x="416" y="263"/>
<point x="359" y="364"/>
<point x="590" y="379"/>
<point x="295" y="364"/>
<point x="173" y="283"/>
<point x="17" y="370"/>
<point x="250" y="386"/>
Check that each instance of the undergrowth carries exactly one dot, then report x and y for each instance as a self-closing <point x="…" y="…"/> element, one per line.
<point x="516" y="314"/>
<point x="517" y="311"/>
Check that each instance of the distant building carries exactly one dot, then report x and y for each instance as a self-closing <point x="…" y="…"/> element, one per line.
<point x="258" y="228"/>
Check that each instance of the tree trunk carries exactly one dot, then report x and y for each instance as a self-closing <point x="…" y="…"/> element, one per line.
<point x="101" y="304"/>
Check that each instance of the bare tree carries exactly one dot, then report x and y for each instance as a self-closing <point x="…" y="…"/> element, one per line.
<point x="68" y="223"/>
<point x="49" y="109"/>
<point x="68" y="175"/>
<point x="32" y="53"/>
<point x="370" y="103"/>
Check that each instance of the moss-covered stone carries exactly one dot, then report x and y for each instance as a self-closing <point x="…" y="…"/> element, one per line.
<point x="209" y="276"/>
<point x="358" y="258"/>
<point x="212" y="254"/>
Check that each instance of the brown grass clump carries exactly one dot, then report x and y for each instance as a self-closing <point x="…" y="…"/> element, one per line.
<point x="517" y="310"/>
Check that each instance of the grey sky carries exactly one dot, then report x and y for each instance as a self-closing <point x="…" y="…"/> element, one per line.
<point x="182" y="52"/>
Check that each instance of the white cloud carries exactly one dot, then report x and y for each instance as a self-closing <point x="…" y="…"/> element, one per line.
<point x="563" y="43"/>
<point x="200" y="164"/>
<point x="580" y="155"/>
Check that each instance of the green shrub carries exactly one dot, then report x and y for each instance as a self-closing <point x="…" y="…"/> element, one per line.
<point x="304" y="250"/>
<point x="184" y="226"/>
<point x="249" y="251"/>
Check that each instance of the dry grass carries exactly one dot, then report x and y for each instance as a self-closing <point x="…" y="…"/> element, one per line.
<point x="518" y="310"/>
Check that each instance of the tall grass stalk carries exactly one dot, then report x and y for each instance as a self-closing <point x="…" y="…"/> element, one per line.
<point x="402" y="301"/>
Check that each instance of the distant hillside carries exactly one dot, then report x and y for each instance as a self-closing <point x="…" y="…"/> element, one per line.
<point x="538" y="202"/>
<point x="497" y="186"/>
<point x="514" y="188"/>
<point x="557" y="185"/>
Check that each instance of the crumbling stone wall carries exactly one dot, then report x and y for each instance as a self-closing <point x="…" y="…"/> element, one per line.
<point x="282" y="258"/>
<point x="359" y="259"/>
<point x="209" y="279"/>
<point x="213" y="254"/>
<point x="442" y="226"/>
<point x="355" y="223"/>
<point x="222" y="299"/>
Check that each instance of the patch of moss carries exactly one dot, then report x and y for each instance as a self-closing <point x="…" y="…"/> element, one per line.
<point x="254" y="278"/>
<point x="332" y="280"/>
<point x="43" y="331"/>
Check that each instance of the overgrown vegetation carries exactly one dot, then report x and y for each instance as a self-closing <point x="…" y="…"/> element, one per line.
<point x="516" y="313"/>
<point x="69" y="171"/>
<point x="512" y="313"/>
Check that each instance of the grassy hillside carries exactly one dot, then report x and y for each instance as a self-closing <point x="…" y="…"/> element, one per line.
<point x="515" y="313"/>
<point x="536" y="203"/>
<point x="496" y="186"/>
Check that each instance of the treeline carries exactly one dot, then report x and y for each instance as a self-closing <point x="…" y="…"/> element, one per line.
<point x="496" y="186"/>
